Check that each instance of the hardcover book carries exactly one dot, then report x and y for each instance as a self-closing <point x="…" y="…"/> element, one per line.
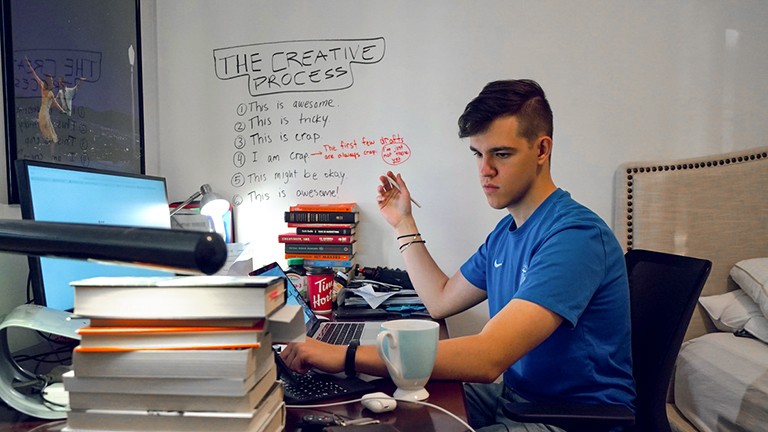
<point x="318" y="248"/>
<point x="260" y="418"/>
<point x="238" y="386"/>
<point x="317" y="225"/>
<point x="205" y="363"/>
<point x="116" y="339"/>
<point x="321" y="217"/>
<point x="329" y="207"/>
<point x="182" y="297"/>
<point x="324" y="231"/>
<point x="315" y="238"/>
<point x="320" y="256"/>
<point x="223" y="322"/>
<point x="115" y="399"/>
<point x="335" y="263"/>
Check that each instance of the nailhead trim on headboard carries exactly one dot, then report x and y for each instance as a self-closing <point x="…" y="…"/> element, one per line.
<point x="631" y="172"/>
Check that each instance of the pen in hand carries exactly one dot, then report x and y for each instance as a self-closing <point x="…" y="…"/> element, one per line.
<point x="394" y="185"/>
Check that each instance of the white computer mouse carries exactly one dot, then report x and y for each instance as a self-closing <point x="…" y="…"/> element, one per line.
<point x="379" y="402"/>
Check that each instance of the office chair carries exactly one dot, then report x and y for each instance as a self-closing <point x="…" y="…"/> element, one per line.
<point x="664" y="289"/>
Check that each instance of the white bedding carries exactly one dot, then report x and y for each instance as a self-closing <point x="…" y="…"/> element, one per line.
<point x="721" y="383"/>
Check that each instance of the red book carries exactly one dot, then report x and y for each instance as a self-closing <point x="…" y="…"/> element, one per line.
<point x="314" y="238"/>
<point x="330" y="207"/>
<point x="309" y="256"/>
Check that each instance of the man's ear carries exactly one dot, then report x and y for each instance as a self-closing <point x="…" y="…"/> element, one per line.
<point x="544" y="147"/>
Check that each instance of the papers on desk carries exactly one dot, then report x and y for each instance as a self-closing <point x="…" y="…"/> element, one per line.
<point x="366" y="296"/>
<point x="239" y="260"/>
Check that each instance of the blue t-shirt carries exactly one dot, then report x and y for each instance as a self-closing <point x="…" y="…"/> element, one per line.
<point x="566" y="259"/>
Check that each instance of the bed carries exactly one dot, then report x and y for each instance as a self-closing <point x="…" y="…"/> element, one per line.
<point x="713" y="207"/>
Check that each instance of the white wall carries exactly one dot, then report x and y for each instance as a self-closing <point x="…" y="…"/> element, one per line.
<point x="626" y="80"/>
<point x="638" y="80"/>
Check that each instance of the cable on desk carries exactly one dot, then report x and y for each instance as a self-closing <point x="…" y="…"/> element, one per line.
<point x="430" y="405"/>
<point x="439" y="408"/>
<point x="47" y="426"/>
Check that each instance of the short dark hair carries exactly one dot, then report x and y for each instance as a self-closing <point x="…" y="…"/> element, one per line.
<point x="521" y="98"/>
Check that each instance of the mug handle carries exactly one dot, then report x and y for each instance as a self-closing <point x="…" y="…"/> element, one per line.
<point x="392" y="345"/>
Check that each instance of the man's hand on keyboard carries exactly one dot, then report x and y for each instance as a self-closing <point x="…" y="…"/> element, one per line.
<point x="303" y="356"/>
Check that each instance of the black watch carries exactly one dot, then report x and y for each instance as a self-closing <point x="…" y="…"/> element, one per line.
<point x="349" y="360"/>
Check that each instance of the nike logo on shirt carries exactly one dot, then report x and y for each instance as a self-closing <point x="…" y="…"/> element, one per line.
<point x="497" y="264"/>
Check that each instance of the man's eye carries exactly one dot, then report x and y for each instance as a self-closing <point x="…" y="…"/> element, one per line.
<point x="503" y="155"/>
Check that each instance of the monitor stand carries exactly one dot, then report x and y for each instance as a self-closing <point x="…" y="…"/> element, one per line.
<point x="35" y="318"/>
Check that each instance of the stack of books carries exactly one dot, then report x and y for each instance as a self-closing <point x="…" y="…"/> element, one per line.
<point x="324" y="234"/>
<point x="182" y="353"/>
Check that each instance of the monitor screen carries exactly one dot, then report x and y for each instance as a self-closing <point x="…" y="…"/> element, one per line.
<point x="62" y="193"/>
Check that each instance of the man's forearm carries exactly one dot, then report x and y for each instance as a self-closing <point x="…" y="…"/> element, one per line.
<point x="427" y="277"/>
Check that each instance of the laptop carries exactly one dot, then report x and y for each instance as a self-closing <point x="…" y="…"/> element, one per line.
<point x="335" y="332"/>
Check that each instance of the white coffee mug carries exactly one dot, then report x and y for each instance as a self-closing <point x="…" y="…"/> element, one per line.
<point x="408" y="347"/>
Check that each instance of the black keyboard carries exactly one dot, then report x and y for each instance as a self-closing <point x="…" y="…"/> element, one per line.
<point x="314" y="386"/>
<point x="341" y="333"/>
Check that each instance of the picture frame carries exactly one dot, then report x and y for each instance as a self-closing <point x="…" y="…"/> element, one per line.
<point x="72" y="84"/>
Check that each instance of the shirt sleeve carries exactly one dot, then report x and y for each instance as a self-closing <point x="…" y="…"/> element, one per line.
<point x="473" y="269"/>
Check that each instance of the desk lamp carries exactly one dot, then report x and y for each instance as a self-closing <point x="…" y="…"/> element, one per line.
<point x="212" y="205"/>
<point x="180" y="251"/>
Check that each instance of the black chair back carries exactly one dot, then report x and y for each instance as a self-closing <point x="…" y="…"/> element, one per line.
<point x="664" y="289"/>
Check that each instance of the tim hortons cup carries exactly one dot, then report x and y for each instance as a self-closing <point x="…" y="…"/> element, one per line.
<point x="320" y="289"/>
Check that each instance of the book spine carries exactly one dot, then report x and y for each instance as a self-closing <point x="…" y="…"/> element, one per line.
<point x="314" y="238"/>
<point x="340" y="207"/>
<point x="320" y="225"/>
<point x="321" y="217"/>
<point x="329" y="263"/>
<point x="344" y="257"/>
<point x="325" y="231"/>
<point x="319" y="248"/>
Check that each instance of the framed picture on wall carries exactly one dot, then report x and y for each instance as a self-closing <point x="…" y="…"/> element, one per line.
<point x="72" y="84"/>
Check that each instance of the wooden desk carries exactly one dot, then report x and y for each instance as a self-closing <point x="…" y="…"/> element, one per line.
<point x="407" y="416"/>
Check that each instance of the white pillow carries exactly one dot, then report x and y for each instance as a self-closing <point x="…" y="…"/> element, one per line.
<point x="730" y="311"/>
<point x="735" y="311"/>
<point x="752" y="276"/>
<point x="758" y="327"/>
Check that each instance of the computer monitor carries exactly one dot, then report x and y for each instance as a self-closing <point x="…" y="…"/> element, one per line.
<point x="63" y="193"/>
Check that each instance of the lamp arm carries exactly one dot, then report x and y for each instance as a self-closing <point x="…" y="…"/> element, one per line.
<point x="175" y="250"/>
<point x="178" y="208"/>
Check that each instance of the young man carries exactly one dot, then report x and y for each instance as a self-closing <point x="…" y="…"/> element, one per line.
<point x="552" y="272"/>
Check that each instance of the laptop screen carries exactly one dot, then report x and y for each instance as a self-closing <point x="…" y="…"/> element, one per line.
<point x="293" y="296"/>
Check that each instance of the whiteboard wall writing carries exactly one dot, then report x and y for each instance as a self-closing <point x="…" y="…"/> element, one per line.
<point x="276" y="103"/>
<point x="296" y="66"/>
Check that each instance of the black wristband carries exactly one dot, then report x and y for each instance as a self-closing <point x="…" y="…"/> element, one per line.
<point x="349" y="360"/>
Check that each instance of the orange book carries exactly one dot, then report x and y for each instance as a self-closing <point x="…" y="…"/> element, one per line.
<point x="116" y="339"/>
<point x="330" y="207"/>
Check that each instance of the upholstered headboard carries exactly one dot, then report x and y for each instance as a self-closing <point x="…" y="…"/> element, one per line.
<point x="713" y="207"/>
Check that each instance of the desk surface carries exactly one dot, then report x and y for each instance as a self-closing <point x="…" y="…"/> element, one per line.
<point x="406" y="417"/>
